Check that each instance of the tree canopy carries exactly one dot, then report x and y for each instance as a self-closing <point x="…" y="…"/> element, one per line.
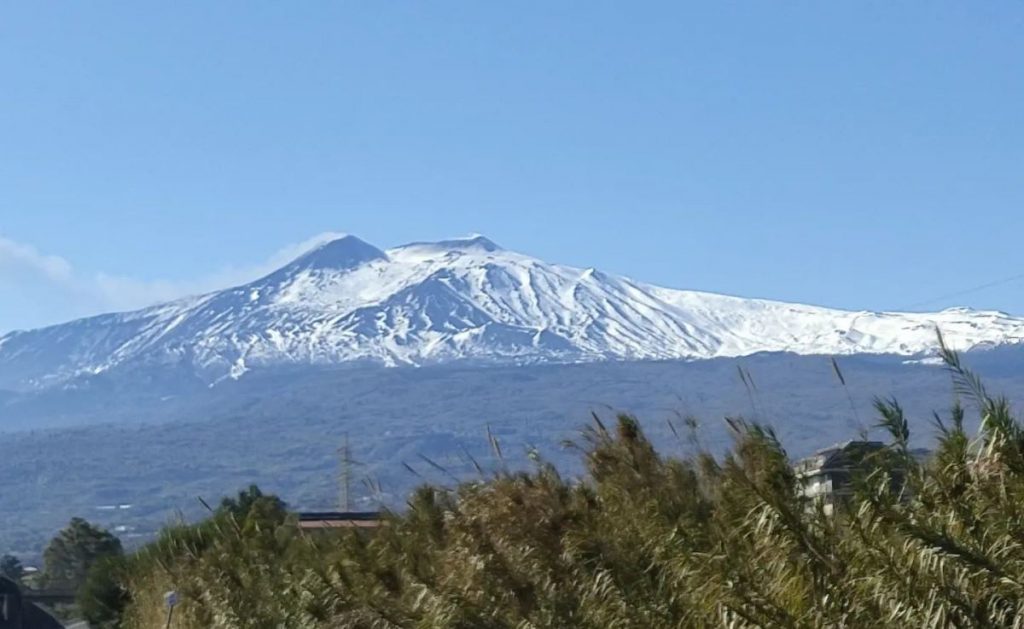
<point x="11" y="568"/>
<point x="74" y="550"/>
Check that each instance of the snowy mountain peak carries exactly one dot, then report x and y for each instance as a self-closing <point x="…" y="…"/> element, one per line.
<point x="461" y="299"/>
<point x="343" y="253"/>
<point x="473" y="243"/>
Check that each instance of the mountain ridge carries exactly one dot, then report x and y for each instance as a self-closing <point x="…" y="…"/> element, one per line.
<point x="461" y="299"/>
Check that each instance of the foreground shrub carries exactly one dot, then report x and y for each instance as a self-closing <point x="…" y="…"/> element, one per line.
<point x="643" y="541"/>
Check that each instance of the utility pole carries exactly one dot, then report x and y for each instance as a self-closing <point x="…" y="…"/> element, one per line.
<point x="345" y="475"/>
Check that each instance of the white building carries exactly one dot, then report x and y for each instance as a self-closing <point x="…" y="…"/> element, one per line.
<point x="826" y="476"/>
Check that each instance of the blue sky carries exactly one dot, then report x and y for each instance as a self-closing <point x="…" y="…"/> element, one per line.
<point x="857" y="155"/>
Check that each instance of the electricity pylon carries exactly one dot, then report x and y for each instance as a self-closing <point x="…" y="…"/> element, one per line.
<point x="345" y="462"/>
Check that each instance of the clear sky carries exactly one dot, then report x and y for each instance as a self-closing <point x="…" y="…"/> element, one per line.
<point x="850" y="154"/>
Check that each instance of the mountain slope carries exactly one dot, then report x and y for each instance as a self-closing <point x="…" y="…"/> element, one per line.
<point x="464" y="299"/>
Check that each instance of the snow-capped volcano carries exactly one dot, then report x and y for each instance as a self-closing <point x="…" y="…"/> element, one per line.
<point x="433" y="302"/>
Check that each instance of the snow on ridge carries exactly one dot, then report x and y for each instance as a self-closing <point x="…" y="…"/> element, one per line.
<point x="465" y="299"/>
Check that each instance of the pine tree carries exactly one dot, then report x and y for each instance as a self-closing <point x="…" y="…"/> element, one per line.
<point x="68" y="557"/>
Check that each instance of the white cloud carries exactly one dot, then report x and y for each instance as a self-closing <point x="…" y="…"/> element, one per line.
<point x="77" y="294"/>
<point x="122" y="293"/>
<point x="17" y="258"/>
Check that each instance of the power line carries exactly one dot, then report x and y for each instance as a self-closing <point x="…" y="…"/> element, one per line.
<point x="968" y="291"/>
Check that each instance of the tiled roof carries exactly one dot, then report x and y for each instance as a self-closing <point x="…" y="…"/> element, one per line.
<point x="339" y="519"/>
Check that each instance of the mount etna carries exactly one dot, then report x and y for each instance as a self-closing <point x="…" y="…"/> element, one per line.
<point x="460" y="300"/>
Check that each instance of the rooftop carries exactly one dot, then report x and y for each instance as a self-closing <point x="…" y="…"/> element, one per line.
<point x="339" y="519"/>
